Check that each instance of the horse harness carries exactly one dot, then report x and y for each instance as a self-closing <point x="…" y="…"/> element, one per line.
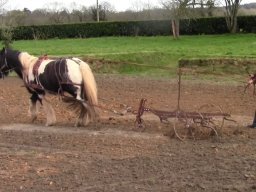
<point x="37" y="85"/>
<point x="62" y="80"/>
<point x="37" y="65"/>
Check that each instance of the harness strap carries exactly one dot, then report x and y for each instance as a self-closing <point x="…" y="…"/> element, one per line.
<point x="37" y="85"/>
<point x="60" y="79"/>
<point x="37" y="64"/>
<point x="58" y="76"/>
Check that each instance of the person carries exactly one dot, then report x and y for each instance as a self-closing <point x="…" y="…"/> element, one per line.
<point x="253" y="125"/>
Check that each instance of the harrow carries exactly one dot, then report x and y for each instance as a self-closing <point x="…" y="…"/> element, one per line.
<point x="197" y="118"/>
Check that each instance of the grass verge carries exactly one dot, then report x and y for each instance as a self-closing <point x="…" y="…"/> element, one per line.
<point x="160" y="51"/>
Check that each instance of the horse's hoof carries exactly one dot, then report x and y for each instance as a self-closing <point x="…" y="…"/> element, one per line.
<point x="78" y="124"/>
<point x="50" y="124"/>
<point x="33" y="119"/>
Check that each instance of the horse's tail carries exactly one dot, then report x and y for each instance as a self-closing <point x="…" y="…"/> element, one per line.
<point x="90" y="87"/>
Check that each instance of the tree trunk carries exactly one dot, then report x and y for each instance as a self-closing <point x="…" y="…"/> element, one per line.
<point x="231" y="14"/>
<point x="234" y="26"/>
<point x="175" y="28"/>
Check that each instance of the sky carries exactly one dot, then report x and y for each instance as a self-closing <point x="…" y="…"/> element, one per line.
<point x="119" y="5"/>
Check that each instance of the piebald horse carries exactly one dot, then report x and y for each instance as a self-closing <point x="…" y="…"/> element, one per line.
<point x="41" y="75"/>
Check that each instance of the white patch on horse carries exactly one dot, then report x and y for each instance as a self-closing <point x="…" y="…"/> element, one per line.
<point x="74" y="71"/>
<point x="75" y="75"/>
<point x="27" y="62"/>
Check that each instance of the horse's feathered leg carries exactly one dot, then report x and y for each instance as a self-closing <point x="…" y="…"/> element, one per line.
<point x="84" y="116"/>
<point x="33" y="110"/>
<point x="82" y="119"/>
<point x="89" y="115"/>
<point x="50" y="114"/>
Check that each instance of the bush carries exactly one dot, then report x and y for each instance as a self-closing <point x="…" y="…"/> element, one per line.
<point x="214" y="25"/>
<point x="247" y="24"/>
<point x="6" y="37"/>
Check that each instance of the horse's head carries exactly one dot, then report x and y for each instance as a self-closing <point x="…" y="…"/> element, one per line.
<point x="4" y="68"/>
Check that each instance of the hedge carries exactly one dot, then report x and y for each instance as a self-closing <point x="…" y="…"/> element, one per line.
<point x="214" y="25"/>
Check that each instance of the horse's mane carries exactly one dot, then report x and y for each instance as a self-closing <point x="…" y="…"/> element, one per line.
<point x="27" y="60"/>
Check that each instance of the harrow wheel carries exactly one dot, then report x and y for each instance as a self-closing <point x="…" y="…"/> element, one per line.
<point x="212" y="117"/>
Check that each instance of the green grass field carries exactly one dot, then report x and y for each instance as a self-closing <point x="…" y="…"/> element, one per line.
<point x="156" y="51"/>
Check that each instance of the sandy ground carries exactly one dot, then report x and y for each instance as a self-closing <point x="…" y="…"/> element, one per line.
<point x="112" y="155"/>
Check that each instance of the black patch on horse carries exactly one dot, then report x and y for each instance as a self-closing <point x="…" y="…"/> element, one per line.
<point x="55" y="78"/>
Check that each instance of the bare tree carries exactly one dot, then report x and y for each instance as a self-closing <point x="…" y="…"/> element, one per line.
<point x="231" y="7"/>
<point x="180" y="9"/>
<point x="137" y="7"/>
<point x="147" y="9"/>
<point x="100" y="13"/>
<point x="78" y="15"/>
<point x="15" y="18"/>
<point x="59" y="14"/>
<point x="107" y="6"/>
<point x="2" y="3"/>
<point x="177" y="10"/>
